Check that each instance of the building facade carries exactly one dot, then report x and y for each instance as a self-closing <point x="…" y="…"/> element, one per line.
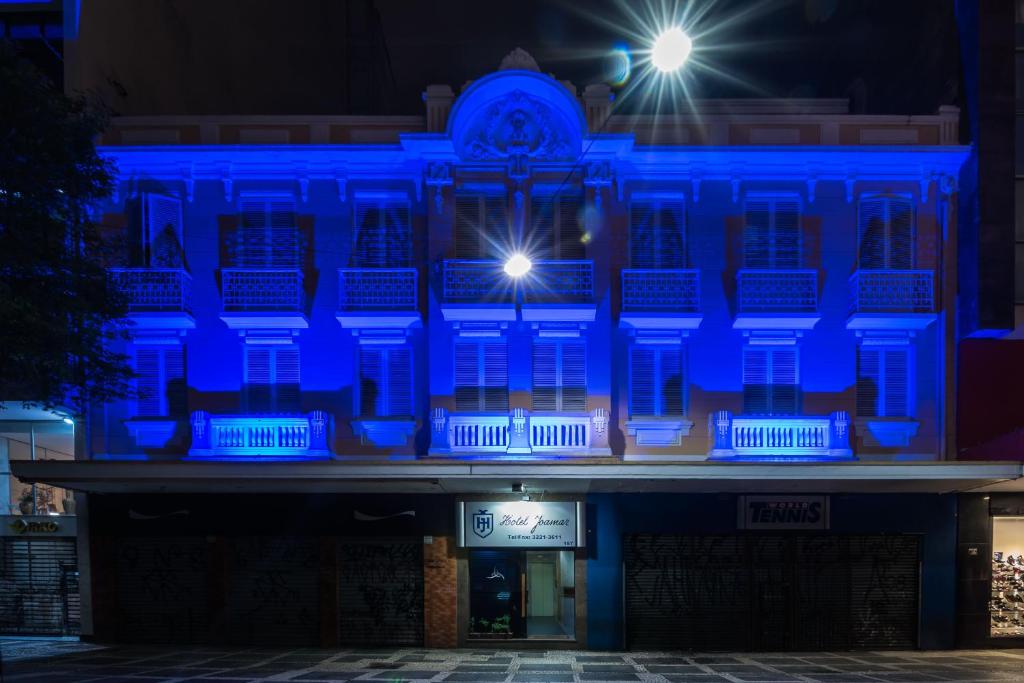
<point x="527" y="370"/>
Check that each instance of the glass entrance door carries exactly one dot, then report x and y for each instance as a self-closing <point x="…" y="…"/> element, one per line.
<point x="522" y="594"/>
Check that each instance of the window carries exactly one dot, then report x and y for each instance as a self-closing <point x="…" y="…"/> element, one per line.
<point x="272" y="378"/>
<point x="883" y="381"/>
<point x="481" y="376"/>
<point x="382" y="235"/>
<point x="771" y="380"/>
<point x="160" y="382"/>
<point x="555" y="227"/>
<point x="771" y="233"/>
<point x="385" y="381"/>
<point x="559" y="375"/>
<point x="162" y="234"/>
<point x="657" y="233"/>
<point x="268" y="237"/>
<point x="482" y="229"/>
<point x="885" y="232"/>
<point x="656" y="380"/>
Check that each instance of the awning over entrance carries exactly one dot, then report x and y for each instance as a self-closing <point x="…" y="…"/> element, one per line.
<point x="549" y="476"/>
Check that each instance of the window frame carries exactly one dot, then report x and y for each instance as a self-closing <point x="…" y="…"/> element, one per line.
<point x="163" y="380"/>
<point x="659" y="394"/>
<point x="269" y="259"/>
<point x="657" y="200"/>
<point x="771" y="350"/>
<point x="559" y="386"/>
<point x="887" y="198"/>
<point x="387" y="390"/>
<point x="481" y="372"/>
<point x="910" y="379"/>
<point x="773" y="199"/>
<point x="274" y="399"/>
<point x="382" y="202"/>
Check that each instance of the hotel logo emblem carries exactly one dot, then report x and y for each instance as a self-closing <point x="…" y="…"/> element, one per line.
<point x="483" y="523"/>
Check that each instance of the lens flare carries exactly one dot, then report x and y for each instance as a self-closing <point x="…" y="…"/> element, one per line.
<point x="671" y="50"/>
<point x="517" y="265"/>
<point x="621" y="66"/>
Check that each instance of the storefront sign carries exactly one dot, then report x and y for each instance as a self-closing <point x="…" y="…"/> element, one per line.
<point x="783" y="512"/>
<point x="37" y="525"/>
<point x="520" y="524"/>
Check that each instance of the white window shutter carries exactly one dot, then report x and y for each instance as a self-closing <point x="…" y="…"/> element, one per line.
<point x="643" y="243"/>
<point x="671" y="234"/>
<point x="756" y="379"/>
<point x="570" y="234"/>
<point x="895" y="382"/>
<point x="368" y="252"/>
<point x="871" y="230"/>
<point x="253" y="243"/>
<point x="671" y="381"/>
<point x="497" y="237"/>
<point x="174" y="378"/>
<point x="284" y="235"/>
<point x="573" y="377"/>
<point x="468" y="226"/>
<point x="786" y="234"/>
<point x="162" y="232"/>
<point x="869" y="389"/>
<point x="399" y="380"/>
<point x="286" y="379"/>
<point x="467" y="376"/>
<point x="541" y="237"/>
<point x="757" y="235"/>
<point x="642" y="388"/>
<point x="258" y="378"/>
<point x="495" y="376"/>
<point x="371" y="382"/>
<point x="545" y="379"/>
<point x="148" y="382"/>
<point x="901" y="234"/>
<point x="784" y="381"/>
<point x="397" y="236"/>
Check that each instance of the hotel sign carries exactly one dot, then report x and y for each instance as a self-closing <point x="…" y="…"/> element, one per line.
<point x="520" y="524"/>
<point x="783" y="512"/>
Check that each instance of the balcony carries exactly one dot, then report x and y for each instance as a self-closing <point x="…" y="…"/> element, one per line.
<point x="379" y="298"/>
<point x="773" y="438"/>
<point x="157" y="297"/>
<point x="891" y="300"/>
<point x="519" y="433"/>
<point x="660" y="299"/>
<point x="259" y="437"/>
<point x="552" y="291"/>
<point x="776" y="299"/>
<point x="262" y="298"/>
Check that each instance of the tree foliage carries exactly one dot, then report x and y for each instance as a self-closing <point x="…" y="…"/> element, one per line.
<point x="58" y="312"/>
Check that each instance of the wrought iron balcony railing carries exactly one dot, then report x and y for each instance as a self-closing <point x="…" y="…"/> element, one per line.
<point x="259" y="436"/>
<point x="262" y="290"/>
<point x="484" y="281"/>
<point x="777" y="291"/>
<point x="154" y="290"/>
<point x="519" y="432"/>
<point x="892" y="291"/>
<point x="377" y="289"/>
<point x="671" y="291"/>
<point x="782" y="438"/>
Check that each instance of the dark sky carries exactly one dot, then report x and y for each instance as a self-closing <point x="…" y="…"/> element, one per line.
<point x="328" y="56"/>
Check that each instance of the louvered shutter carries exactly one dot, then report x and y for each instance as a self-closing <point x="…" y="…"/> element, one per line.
<point x="174" y="376"/>
<point x="258" y="379"/>
<point x="642" y="381"/>
<point x="253" y="246"/>
<point x="545" y="379"/>
<point x="163" y="231"/>
<point x="495" y="376"/>
<point x="371" y="382"/>
<point x="671" y="240"/>
<point x="467" y="376"/>
<point x="786" y="234"/>
<point x="573" y="377"/>
<point x="643" y="250"/>
<point x="756" y="235"/>
<point x="286" y="380"/>
<point x="871" y="233"/>
<point x="541" y="240"/>
<point x="148" y="383"/>
<point x="868" y="381"/>
<point x="901" y="234"/>
<point x="497" y="236"/>
<point x="756" y="399"/>
<point x="397" y="236"/>
<point x="784" y="381"/>
<point x="467" y="226"/>
<point x="895" y="378"/>
<point x="284" y="235"/>
<point x="671" y="379"/>
<point x="399" y="382"/>
<point x="369" y="226"/>
<point x="570" y="242"/>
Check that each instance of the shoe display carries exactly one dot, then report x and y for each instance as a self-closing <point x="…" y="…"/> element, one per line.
<point x="1006" y="604"/>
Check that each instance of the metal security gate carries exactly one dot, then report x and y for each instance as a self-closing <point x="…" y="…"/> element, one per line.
<point x="162" y="590"/>
<point x="380" y="592"/>
<point x="771" y="592"/>
<point x="272" y="592"/>
<point x="39" y="586"/>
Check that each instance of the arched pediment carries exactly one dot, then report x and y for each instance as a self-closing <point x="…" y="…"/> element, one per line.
<point x="517" y="113"/>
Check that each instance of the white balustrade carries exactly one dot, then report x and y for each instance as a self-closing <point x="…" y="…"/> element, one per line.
<point x="227" y="436"/>
<point x="474" y="432"/>
<point x="559" y="432"/>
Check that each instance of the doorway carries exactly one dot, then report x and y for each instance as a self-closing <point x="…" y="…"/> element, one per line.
<point x="517" y="594"/>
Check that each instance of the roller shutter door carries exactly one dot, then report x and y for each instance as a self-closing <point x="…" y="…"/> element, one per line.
<point x="272" y="591"/>
<point x="771" y="592"/>
<point x="38" y="586"/>
<point x="162" y="590"/>
<point x="380" y="592"/>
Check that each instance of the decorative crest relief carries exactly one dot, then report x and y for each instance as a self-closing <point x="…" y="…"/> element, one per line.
<point x="517" y="126"/>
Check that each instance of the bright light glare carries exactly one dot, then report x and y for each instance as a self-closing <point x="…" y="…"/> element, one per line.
<point x="67" y="421"/>
<point x="671" y="50"/>
<point x="517" y="265"/>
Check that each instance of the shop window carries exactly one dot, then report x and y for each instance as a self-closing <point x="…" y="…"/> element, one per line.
<point x="272" y="378"/>
<point x="160" y="382"/>
<point x="559" y="375"/>
<point x="771" y="233"/>
<point x="885" y="232"/>
<point x="382" y="234"/>
<point x="556" y="227"/>
<point x="1007" y="601"/>
<point x="771" y="380"/>
<point x="482" y="228"/>
<point x="481" y="376"/>
<point x="657" y="233"/>
<point x="268" y="236"/>
<point x="385" y="381"/>
<point x="883" y="382"/>
<point x="656" y="386"/>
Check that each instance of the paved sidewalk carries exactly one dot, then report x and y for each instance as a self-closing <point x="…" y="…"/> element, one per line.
<point x="61" y="663"/>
